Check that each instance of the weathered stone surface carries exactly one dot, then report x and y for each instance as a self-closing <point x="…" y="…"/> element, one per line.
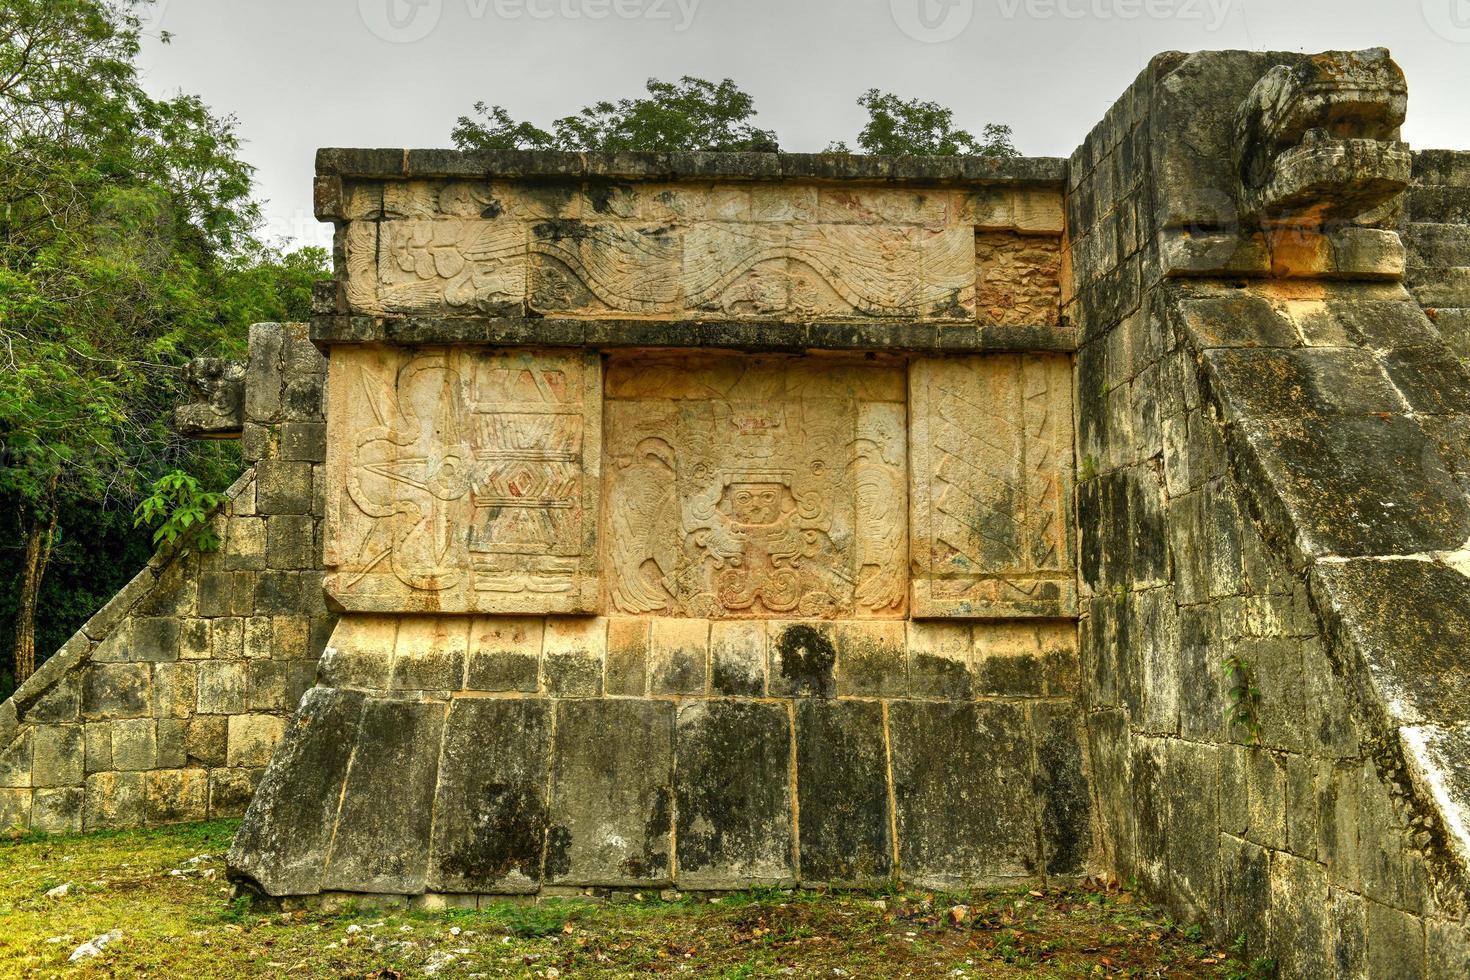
<point x="572" y="657"/>
<point x="281" y="847"/>
<point x="678" y="656"/>
<point x="738" y="658"/>
<point x="733" y="795"/>
<point x="612" y="793"/>
<point x="990" y="487"/>
<point x="490" y="805"/>
<point x="497" y="455"/>
<point x="381" y="843"/>
<point x="841" y="772"/>
<point x="504" y="654"/>
<point x="965" y="811"/>
<point x="803" y="660"/>
<point x="766" y="487"/>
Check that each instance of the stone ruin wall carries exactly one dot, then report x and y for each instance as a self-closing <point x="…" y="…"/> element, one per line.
<point x="168" y="703"/>
<point x="752" y="572"/>
<point x="1259" y="435"/>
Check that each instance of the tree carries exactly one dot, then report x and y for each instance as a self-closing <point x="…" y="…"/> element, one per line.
<point x="897" y="127"/>
<point x="123" y="221"/>
<point x="691" y="114"/>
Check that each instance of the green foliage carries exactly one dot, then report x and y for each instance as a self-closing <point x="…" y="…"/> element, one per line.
<point x="898" y="127"/>
<point x="181" y="508"/>
<point x="690" y="114"/>
<point x="1245" y="697"/>
<point x="127" y="245"/>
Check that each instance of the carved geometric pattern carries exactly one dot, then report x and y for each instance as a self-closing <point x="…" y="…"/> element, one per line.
<point x="755" y="487"/>
<point x="463" y="481"/>
<point x="991" y="481"/>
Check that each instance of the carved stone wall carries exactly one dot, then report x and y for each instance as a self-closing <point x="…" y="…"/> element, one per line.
<point x="784" y="595"/>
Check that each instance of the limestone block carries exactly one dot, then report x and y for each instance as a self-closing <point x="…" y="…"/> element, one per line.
<point x="463" y="481"/>
<point x="612" y="794"/>
<point x="16" y="766"/>
<point x="171" y="739"/>
<point x="226" y="593"/>
<point x="113" y="800"/>
<point x="304" y="441"/>
<point x="227" y="638"/>
<point x="733" y="795"/>
<point x="359" y="653"/>
<point x="504" y="654"/>
<point x="221" y="687"/>
<point x="59" y="757"/>
<point x="961" y="779"/>
<point x="245" y="543"/>
<point x="194" y="638"/>
<point x="1064" y="795"/>
<point x="57" y="811"/>
<point x="283" y="841"/>
<point x="803" y="659"/>
<point x="174" y="691"/>
<point x="98" y="746"/>
<point x="61" y="704"/>
<point x="941" y="660"/>
<point x="290" y="542"/>
<point x="1395" y="940"/>
<point x="176" y="795"/>
<point x="290" y="637"/>
<point x="842" y="775"/>
<point x="872" y="660"/>
<point x="15" y="809"/>
<point x="266" y="686"/>
<point x="117" y="691"/>
<point x="738" y="658"/>
<point x="430" y="653"/>
<point x="134" y="744"/>
<point x="490" y="802"/>
<point x="205" y="740"/>
<point x="277" y="593"/>
<point x="755" y="487"/>
<point x="251" y="740"/>
<point x="991" y="487"/>
<point x="678" y="656"/>
<point x="283" y="487"/>
<point x="230" y="791"/>
<point x="382" y="839"/>
<point x="572" y="654"/>
<point x="1009" y="658"/>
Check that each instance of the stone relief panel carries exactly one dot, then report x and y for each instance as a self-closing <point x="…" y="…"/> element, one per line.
<point x="991" y="486"/>
<point x="463" y="480"/>
<point x="707" y="251"/>
<point x="751" y="487"/>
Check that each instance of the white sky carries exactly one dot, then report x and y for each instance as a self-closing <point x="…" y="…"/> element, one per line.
<point x="300" y="74"/>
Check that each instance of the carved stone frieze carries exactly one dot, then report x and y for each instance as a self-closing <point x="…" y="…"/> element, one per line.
<point x="755" y="487"/>
<point x="463" y="480"/>
<point x="991" y="477"/>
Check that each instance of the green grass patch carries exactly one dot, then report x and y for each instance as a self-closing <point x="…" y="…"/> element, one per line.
<point x="164" y="893"/>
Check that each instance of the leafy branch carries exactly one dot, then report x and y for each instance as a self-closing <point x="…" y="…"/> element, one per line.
<point x="1245" y="696"/>
<point x="181" y="508"/>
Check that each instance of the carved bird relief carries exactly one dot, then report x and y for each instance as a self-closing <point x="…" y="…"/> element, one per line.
<point x="645" y="536"/>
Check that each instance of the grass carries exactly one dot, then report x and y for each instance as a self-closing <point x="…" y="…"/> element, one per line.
<point x="164" y="891"/>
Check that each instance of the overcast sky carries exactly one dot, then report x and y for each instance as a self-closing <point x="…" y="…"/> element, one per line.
<point x="300" y="74"/>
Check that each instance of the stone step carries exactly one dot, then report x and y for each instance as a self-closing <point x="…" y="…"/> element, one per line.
<point x="1444" y="288"/>
<point x="1438" y="203"/>
<point x="1444" y="167"/>
<point x="1436" y="244"/>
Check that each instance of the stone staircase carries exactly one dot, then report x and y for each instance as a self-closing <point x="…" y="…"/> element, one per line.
<point x="1436" y="234"/>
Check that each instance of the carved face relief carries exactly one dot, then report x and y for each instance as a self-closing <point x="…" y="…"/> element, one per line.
<point x="755" y="487"/>
<point x="756" y="504"/>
